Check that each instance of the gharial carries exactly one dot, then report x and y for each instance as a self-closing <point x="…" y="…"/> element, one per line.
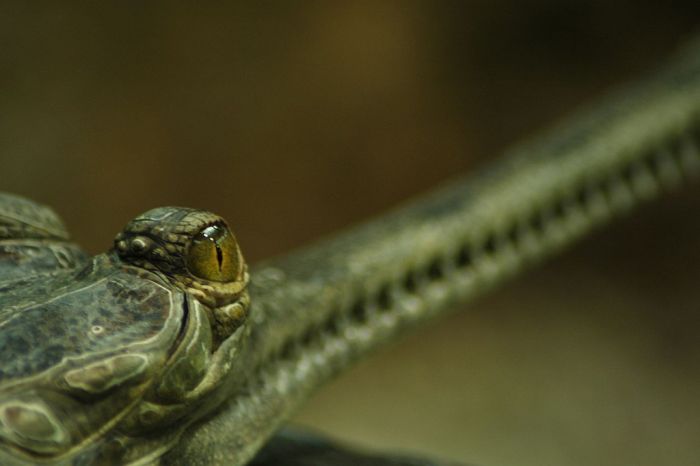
<point x="163" y="350"/>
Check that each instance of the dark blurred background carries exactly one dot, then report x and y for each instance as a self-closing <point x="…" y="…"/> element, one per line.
<point x="294" y="120"/>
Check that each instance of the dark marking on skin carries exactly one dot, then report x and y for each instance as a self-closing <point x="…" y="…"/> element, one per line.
<point x="183" y="327"/>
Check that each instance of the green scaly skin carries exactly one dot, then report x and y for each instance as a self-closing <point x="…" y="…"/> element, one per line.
<point x="316" y="311"/>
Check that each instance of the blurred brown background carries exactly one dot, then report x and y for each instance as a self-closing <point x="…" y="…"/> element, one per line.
<point x="295" y="120"/>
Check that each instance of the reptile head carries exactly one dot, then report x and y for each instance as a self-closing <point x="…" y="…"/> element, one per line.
<point x="109" y="360"/>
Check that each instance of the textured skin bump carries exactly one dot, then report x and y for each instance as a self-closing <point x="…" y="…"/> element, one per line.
<point x="23" y="259"/>
<point x="22" y="218"/>
<point x="100" y="376"/>
<point x="33" y="240"/>
<point x="32" y="425"/>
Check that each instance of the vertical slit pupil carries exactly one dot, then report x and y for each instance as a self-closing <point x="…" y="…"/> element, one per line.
<point x="359" y="312"/>
<point x="435" y="270"/>
<point x="384" y="298"/>
<point x="410" y="282"/>
<point x="560" y="208"/>
<point x="490" y="245"/>
<point x="464" y="257"/>
<point x="332" y="324"/>
<point x="287" y="350"/>
<point x="219" y="257"/>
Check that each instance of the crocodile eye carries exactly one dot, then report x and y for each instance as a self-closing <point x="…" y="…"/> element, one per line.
<point x="213" y="254"/>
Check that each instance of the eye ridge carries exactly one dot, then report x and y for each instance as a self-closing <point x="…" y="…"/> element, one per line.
<point x="193" y="248"/>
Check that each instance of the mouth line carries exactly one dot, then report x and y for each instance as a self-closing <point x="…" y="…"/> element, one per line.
<point x="183" y="327"/>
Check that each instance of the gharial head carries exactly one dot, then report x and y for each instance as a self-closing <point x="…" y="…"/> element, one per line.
<point x="107" y="361"/>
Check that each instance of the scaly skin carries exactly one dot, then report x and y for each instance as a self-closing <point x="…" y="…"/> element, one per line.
<point x="317" y="310"/>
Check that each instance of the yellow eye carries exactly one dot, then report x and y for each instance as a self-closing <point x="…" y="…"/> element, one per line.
<point x="213" y="255"/>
